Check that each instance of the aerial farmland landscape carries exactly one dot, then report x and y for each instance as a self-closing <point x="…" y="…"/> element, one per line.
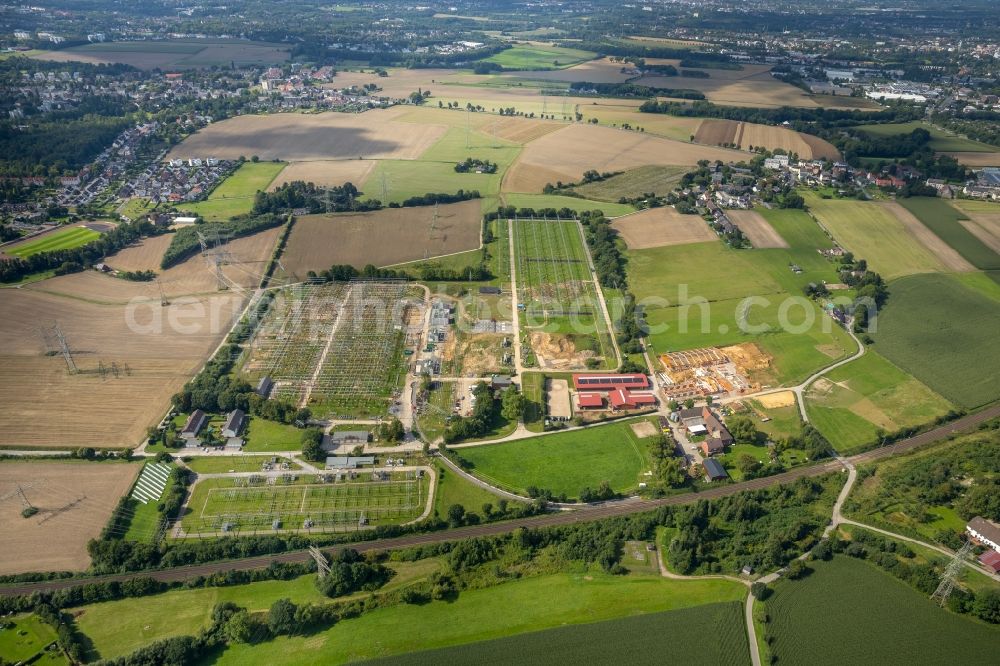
<point x="500" y="332"/>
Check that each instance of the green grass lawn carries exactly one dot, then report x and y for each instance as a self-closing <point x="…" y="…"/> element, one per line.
<point x="633" y="183"/>
<point x="943" y="220"/>
<point x="63" y="239"/>
<point x="525" y="56"/>
<point x="135" y="208"/>
<point x="941" y="332"/>
<point x="528" y="605"/>
<point x="645" y="639"/>
<point x="235" y="195"/>
<point x="264" y="435"/>
<point x="119" y="627"/>
<point x="453" y="489"/>
<point x="533" y="386"/>
<point x="941" y="140"/>
<point x="144" y="523"/>
<point x="564" y="462"/>
<point x="873" y="233"/>
<point x="223" y="464"/>
<point x="850" y="403"/>
<point x="849" y="612"/>
<point x="432" y="421"/>
<point x="556" y="201"/>
<point x="784" y="421"/>
<point x="28" y="636"/>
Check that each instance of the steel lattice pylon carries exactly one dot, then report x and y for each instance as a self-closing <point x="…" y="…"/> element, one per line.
<point x="951" y="573"/>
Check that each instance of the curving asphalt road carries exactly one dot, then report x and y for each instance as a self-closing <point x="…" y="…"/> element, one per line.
<point x="586" y="514"/>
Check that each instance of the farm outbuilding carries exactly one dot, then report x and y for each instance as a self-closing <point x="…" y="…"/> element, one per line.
<point x="348" y="462"/>
<point x="586" y="401"/>
<point x="194" y="424"/>
<point x="622" y="398"/>
<point x="714" y="471"/>
<point x="235" y="422"/>
<point x="339" y="438"/>
<point x="609" y="382"/>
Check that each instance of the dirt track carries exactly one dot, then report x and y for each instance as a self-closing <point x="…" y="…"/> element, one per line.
<point x="590" y="513"/>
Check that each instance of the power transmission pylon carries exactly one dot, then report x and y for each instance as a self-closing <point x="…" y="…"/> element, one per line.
<point x="385" y="189"/>
<point x="64" y="348"/>
<point x="322" y="565"/>
<point x="19" y="492"/>
<point x="163" y="297"/>
<point x="468" y="124"/>
<point x="951" y="573"/>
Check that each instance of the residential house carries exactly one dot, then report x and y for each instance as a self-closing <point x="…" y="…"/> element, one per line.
<point x="235" y="422"/>
<point x="984" y="532"/>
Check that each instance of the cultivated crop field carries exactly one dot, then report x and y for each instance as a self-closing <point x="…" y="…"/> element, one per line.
<point x="564" y="155"/>
<point x="853" y="613"/>
<point x="383" y="237"/>
<point x="74" y="501"/>
<point x="873" y="233"/>
<point x="174" y="54"/>
<point x="253" y="504"/>
<point x="941" y="141"/>
<point x="297" y="137"/>
<point x="658" y="227"/>
<point x="235" y="195"/>
<point x="628" y="640"/>
<point x="983" y="222"/>
<point x="563" y="462"/>
<point x="633" y="183"/>
<point x="851" y="402"/>
<point x="947" y="222"/>
<point x="528" y="605"/>
<point x="334" y="347"/>
<point x="62" y="239"/>
<point x="594" y="71"/>
<point x="941" y="332"/>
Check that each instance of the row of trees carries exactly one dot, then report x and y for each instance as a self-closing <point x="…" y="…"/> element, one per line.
<point x="186" y="241"/>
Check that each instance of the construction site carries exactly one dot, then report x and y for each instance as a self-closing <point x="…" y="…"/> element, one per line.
<point x="711" y="371"/>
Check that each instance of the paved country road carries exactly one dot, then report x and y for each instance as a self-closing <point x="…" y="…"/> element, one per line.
<point x="585" y="514"/>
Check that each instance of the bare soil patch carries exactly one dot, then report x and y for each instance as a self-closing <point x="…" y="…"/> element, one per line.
<point x="643" y="429"/>
<point x="479" y="354"/>
<point x="951" y="259"/>
<point x="296" y="137"/>
<point x="566" y="154"/>
<point x="776" y="400"/>
<point x="326" y="173"/>
<point x="714" y="132"/>
<point x="657" y="227"/>
<point x="757" y="229"/>
<point x="384" y="237"/>
<point x="558" y="352"/>
<point x="557" y="391"/>
<point x="74" y="502"/>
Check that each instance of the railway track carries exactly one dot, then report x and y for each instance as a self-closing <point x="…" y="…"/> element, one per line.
<point x="587" y="514"/>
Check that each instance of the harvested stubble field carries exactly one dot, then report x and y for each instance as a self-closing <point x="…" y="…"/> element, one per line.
<point x="714" y="132"/>
<point x="326" y="173"/>
<point x="671" y="127"/>
<point x="515" y="129"/>
<point x="756" y="228"/>
<point x="45" y="406"/>
<point x="192" y="277"/>
<point x="565" y="155"/>
<point x="173" y="54"/>
<point x="976" y="159"/>
<point x="657" y="227"/>
<point x="296" y="137"/>
<point x="384" y="237"/>
<point x="751" y="86"/>
<point x="54" y="540"/>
